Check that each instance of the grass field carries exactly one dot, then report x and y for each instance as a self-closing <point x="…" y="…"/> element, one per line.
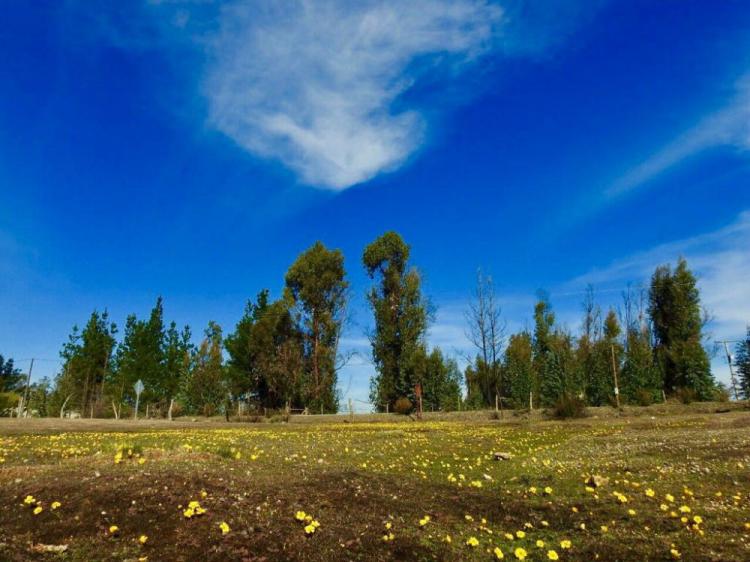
<point x="671" y="487"/>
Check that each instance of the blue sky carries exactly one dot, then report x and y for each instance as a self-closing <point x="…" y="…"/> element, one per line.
<point x="194" y="149"/>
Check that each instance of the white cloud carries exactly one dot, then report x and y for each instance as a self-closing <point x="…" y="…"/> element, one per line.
<point x="721" y="261"/>
<point x="316" y="84"/>
<point x="730" y="126"/>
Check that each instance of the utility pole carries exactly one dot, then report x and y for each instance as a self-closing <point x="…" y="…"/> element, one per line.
<point x="731" y="370"/>
<point x="22" y="405"/>
<point x="614" y="374"/>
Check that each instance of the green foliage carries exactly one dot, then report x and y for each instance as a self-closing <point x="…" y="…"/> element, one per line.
<point x="640" y="379"/>
<point x="205" y="391"/>
<point x="401" y="318"/>
<point x="742" y="361"/>
<point x="674" y="307"/>
<point x="10" y="377"/>
<point x="519" y="368"/>
<point x="87" y="364"/>
<point x="440" y="379"/>
<point x="266" y="360"/>
<point x="316" y="287"/>
<point x="8" y="403"/>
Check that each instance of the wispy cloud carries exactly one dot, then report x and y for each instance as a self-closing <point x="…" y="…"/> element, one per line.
<point x="720" y="259"/>
<point x="729" y="126"/>
<point x="316" y="84"/>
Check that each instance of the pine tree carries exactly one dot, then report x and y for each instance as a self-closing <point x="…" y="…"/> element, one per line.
<point x="518" y="366"/>
<point x="87" y="364"/>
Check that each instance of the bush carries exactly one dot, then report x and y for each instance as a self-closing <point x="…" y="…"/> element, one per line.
<point x="8" y="402"/>
<point x="686" y="395"/>
<point x="721" y="393"/>
<point x="403" y="406"/>
<point x="569" y="407"/>
<point x="643" y="397"/>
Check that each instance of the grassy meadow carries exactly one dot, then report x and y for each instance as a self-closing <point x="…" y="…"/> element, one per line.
<point x="652" y="487"/>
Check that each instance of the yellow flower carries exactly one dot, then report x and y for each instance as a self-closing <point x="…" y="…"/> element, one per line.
<point x="472" y="542"/>
<point x="675" y="554"/>
<point x="552" y="555"/>
<point x="520" y="553"/>
<point x="37" y="510"/>
<point x="669" y="498"/>
<point x="698" y="519"/>
<point x="548" y="491"/>
<point x="424" y="520"/>
<point x="114" y="529"/>
<point x="520" y="534"/>
<point x="28" y="500"/>
<point x="224" y="528"/>
<point x="650" y="493"/>
<point x="631" y="512"/>
<point x="498" y="553"/>
<point x="447" y="539"/>
<point x="300" y="516"/>
<point x="55" y="505"/>
<point x="540" y="543"/>
<point x="565" y="544"/>
<point x="684" y="509"/>
<point x="309" y="529"/>
<point x="143" y="539"/>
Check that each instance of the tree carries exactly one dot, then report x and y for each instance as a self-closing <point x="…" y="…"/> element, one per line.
<point x="486" y="332"/>
<point x="606" y="350"/>
<point x="640" y="380"/>
<point x="316" y="287"/>
<point x="401" y="318"/>
<point x="519" y="368"/>
<point x="742" y="361"/>
<point x="205" y="387"/>
<point x="87" y="362"/>
<point x="11" y="378"/>
<point x="544" y="321"/>
<point x="177" y="357"/>
<point x="440" y="379"/>
<point x="266" y="360"/>
<point x="39" y="395"/>
<point x="677" y="319"/>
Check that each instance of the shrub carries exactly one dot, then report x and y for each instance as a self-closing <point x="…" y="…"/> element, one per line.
<point x="721" y="393"/>
<point x="569" y="407"/>
<point x="403" y="406"/>
<point x="643" y="397"/>
<point x="8" y="401"/>
<point x="686" y="395"/>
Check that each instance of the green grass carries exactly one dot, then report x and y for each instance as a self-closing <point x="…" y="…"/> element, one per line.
<point x="354" y="479"/>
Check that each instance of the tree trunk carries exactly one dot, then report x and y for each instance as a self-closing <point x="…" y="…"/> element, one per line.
<point x="169" y="414"/>
<point x="62" y="408"/>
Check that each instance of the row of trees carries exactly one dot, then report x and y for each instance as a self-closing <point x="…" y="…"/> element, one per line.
<point x="284" y="353"/>
<point x="652" y="347"/>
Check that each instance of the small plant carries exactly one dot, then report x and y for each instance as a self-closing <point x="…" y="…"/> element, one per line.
<point x="569" y="407"/>
<point x="403" y="406"/>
